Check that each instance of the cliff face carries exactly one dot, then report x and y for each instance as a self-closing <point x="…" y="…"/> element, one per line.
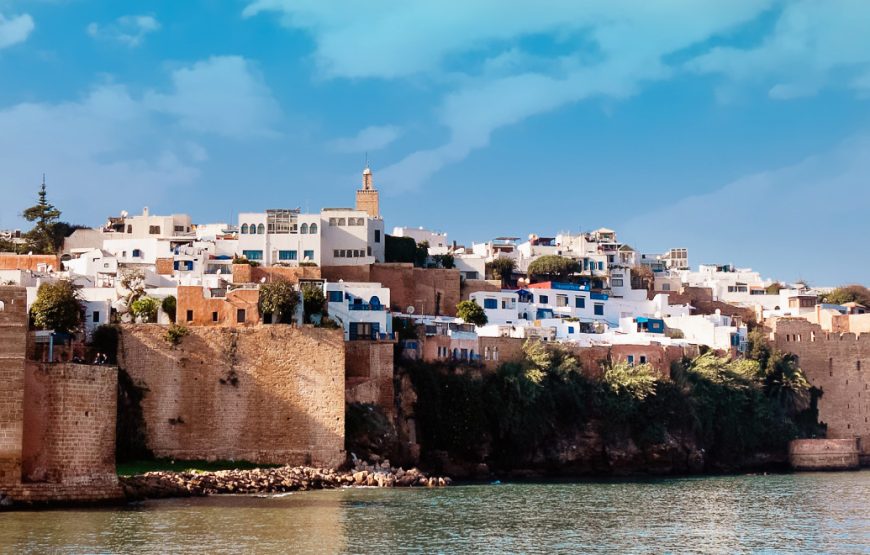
<point x="450" y="422"/>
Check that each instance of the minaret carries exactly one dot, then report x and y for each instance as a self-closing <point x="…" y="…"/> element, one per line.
<point x="367" y="198"/>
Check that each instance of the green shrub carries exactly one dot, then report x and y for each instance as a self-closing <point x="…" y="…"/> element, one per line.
<point x="169" y="306"/>
<point x="145" y="308"/>
<point x="176" y="333"/>
<point x="57" y="307"/>
<point x="471" y="313"/>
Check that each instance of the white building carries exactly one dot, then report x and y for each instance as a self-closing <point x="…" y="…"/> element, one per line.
<point x="714" y="330"/>
<point x="362" y="309"/>
<point x="438" y="243"/>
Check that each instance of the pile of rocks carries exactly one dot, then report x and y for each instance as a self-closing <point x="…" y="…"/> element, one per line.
<point x="156" y="485"/>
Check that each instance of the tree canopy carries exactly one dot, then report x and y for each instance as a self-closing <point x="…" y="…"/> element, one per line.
<point x="279" y="299"/>
<point x="313" y="300"/>
<point x="849" y="294"/>
<point x="57" y="307"/>
<point x="145" y="308"/>
<point x="501" y="268"/>
<point x="471" y="313"/>
<point x="45" y="216"/>
<point x="554" y="266"/>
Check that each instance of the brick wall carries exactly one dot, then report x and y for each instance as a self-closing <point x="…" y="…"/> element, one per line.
<point x="165" y="266"/>
<point x="469" y="286"/>
<point x="824" y="454"/>
<point x="13" y="346"/>
<point x="28" y="261"/>
<point x="369" y="373"/>
<point x="193" y="308"/>
<point x="245" y="273"/>
<point x="268" y="394"/>
<point x="428" y="290"/>
<point x="838" y="364"/>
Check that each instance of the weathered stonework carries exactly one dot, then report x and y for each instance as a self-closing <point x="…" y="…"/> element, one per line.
<point x="838" y="364"/>
<point x="369" y="373"/>
<point x="13" y="346"/>
<point x="267" y="394"/>
<point x="824" y="454"/>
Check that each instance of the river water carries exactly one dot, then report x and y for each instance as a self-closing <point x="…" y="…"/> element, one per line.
<point x="788" y="513"/>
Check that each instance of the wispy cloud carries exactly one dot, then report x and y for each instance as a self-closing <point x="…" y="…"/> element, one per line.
<point x="15" y="29"/>
<point x="773" y="220"/>
<point x="224" y="95"/>
<point x="129" y="29"/>
<point x="371" y="138"/>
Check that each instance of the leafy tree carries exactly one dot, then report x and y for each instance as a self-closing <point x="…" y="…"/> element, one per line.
<point x="41" y="238"/>
<point x="170" y="306"/>
<point x="471" y="313"/>
<point x="553" y="266"/>
<point x="445" y="261"/>
<point x="57" y="307"/>
<point x="421" y="254"/>
<point x="279" y="299"/>
<point x="501" y="268"/>
<point x="146" y="308"/>
<point x="635" y="381"/>
<point x="313" y="300"/>
<point x="399" y="249"/>
<point x="849" y="294"/>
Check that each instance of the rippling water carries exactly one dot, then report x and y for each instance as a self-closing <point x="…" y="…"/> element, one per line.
<point x="795" y="513"/>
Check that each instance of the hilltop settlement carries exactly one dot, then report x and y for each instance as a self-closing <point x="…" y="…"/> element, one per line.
<point x="319" y="340"/>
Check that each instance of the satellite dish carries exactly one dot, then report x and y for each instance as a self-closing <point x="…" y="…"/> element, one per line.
<point x="124" y="213"/>
<point x="263" y="279"/>
<point x="410" y="310"/>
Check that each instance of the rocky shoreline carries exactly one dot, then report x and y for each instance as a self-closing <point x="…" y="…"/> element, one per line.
<point x="165" y="484"/>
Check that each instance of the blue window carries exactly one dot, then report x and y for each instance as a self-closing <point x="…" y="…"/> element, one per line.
<point x="585" y="263"/>
<point x="137" y="253"/>
<point x="543" y="299"/>
<point x="570" y="329"/>
<point x="631" y="359"/>
<point x="253" y="255"/>
<point x="601" y="265"/>
<point x="303" y="230"/>
<point x="599" y="309"/>
<point x="335" y="297"/>
<point x="579" y="302"/>
<point x="244" y="229"/>
<point x="309" y="254"/>
<point x="286" y="255"/>
<point x="490" y="303"/>
<point x="313" y="229"/>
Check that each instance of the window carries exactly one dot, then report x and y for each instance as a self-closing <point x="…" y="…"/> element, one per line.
<point x="261" y="229"/>
<point x="137" y="253"/>
<point x="313" y="229"/>
<point x="240" y="316"/>
<point x="561" y="300"/>
<point x="642" y="359"/>
<point x="600" y="265"/>
<point x="490" y="303"/>
<point x="333" y="222"/>
<point x="617" y="282"/>
<point x="179" y="229"/>
<point x="579" y="302"/>
<point x="253" y="255"/>
<point x="190" y="316"/>
<point x="286" y="255"/>
<point x="630" y="359"/>
<point x="335" y="296"/>
<point x="129" y="229"/>
<point x="666" y="287"/>
<point x="598" y="309"/>
<point x="214" y="316"/>
<point x="309" y="255"/>
<point x="303" y="230"/>
<point x="97" y="320"/>
<point x="244" y="229"/>
<point x="154" y="230"/>
<point x="369" y="251"/>
<point x="570" y="329"/>
<point x="543" y="299"/>
<point x="377" y="236"/>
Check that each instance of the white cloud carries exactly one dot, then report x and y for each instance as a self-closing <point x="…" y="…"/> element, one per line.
<point x="129" y="29"/>
<point x="370" y="139"/>
<point x="617" y="47"/>
<point x="814" y="44"/>
<point x="224" y="95"/>
<point x="15" y="30"/>
<point x="776" y="218"/>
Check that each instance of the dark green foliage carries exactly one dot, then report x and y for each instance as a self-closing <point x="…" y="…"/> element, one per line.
<point x="313" y="300"/>
<point x="105" y="340"/>
<point x="849" y="294"/>
<point x="421" y="254"/>
<point x="57" y="307"/>
<point x="445" y="261"/>
<point x="169" y="306"/>
<point x="399" y="249"/>
<point x="471" y="313"/>
<point x="279" y="299"/>
<point x="62" y="230"/>
<point x="501" y="268"/>
<point x="369" y="431"/>
<point x="404" y="328"/>
<point x="512" y="417"/>
<point x="552" y="267"/>
<point x="41" y="239"/>
<point x="146" y="308"/>
<point x="175" y="333"/>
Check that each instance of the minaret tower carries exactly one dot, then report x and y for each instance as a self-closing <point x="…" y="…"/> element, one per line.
<point x="367" y="198"/>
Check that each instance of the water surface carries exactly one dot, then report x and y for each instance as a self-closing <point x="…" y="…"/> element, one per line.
<point x="793" y="513"/>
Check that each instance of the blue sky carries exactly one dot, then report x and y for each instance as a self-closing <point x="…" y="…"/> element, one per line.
<point x="738" y="129"/>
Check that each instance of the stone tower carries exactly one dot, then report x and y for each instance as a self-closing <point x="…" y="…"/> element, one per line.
<point x="13" y="340"/>
<point x="367" y="198"/>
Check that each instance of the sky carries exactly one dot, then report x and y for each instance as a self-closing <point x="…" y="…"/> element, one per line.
<point x="737" y="129"/>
